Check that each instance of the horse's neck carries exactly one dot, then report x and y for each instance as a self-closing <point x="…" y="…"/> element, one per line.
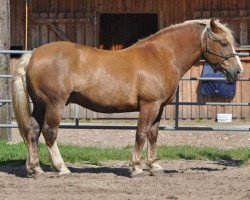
<point x="184" y="46"/>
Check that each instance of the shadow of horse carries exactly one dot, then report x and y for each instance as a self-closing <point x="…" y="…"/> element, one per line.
<point x="119" y="171"/>
<point x="18" y="168"/>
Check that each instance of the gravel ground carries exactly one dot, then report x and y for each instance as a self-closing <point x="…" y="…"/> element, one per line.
<point x="123" y="138"/>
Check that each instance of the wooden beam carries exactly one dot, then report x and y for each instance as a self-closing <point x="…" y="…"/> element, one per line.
<point x="59" y="32"/>
<point x="53" y="5"/>
<point x="5" y="111"/>
<point x="61" y="20"/>
<point x="238" y="18"/>
<point x="223" y="14"/>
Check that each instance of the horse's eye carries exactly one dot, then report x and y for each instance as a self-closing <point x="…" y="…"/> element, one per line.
<point x="224" y="44"/>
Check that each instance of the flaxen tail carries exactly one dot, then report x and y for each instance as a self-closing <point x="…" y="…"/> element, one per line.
<point x="20" y="96"/>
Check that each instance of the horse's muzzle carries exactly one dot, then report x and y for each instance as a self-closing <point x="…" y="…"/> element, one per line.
<point x="232" y="76"/>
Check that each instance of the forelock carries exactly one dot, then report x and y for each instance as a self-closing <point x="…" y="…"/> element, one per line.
<point x="228" y="33"/>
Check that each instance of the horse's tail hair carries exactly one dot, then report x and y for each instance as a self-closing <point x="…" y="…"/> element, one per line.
<point x="20" y="96"/>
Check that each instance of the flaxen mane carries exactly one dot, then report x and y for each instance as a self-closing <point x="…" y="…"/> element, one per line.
<point x="228" y="33"/>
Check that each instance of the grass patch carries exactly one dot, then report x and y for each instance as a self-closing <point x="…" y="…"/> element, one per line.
<point x="74" y="154"/>
<point x="203" y="153"/>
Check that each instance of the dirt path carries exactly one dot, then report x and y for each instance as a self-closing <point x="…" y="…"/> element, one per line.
<point x="181" y="180"/>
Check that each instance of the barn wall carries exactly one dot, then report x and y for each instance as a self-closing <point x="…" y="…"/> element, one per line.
<point x="78" y="21"/>
<point x="85" y="14"/>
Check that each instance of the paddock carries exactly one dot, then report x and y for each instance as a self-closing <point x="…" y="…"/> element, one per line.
<point x="182" y="179"/>
<point x="189" y="120"/>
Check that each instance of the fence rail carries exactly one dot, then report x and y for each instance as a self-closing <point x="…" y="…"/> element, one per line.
<point x="177" y="103"/>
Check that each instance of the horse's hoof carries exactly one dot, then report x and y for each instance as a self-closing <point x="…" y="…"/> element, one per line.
<point x="156" y="172"/>
<point x="36" y="176"/>
<point x="64" y="172"/>
<point x="155" y="169"/>
<point x="137" y="174"/>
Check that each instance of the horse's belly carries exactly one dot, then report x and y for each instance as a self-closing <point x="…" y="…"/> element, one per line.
<point x="106" y="103"/>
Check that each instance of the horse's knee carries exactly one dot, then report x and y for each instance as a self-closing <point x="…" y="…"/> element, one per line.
<point x="152" y="137"/>
<point x="50" y="135"/>
<point x="152" y="134"/>
<point x="140" y="137"/>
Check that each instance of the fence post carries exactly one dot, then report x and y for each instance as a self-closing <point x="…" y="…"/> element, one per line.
<point x="177" y="108"/>
<point x="5" y="111"/>
<point x="77" y="110"/>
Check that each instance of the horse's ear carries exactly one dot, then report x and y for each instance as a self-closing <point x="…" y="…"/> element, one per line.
<point x="214" y="26"/>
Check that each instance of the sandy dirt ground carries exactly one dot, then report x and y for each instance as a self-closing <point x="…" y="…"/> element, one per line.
<point x="182" y="179"/>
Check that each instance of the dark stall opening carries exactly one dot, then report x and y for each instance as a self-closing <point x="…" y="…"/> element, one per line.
<point x="118" y="31"/>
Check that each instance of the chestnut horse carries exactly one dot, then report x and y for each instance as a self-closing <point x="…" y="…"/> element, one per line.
<point x="142" y="77"/>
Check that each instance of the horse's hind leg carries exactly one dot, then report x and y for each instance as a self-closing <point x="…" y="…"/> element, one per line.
<point x="50" y="131"/>
<point x="31" y="139"/>
<point x="148" y="114"/>
<point x="152" y="135"/>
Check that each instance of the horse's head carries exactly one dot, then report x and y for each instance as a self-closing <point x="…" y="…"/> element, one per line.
<point x="218" y="50"/>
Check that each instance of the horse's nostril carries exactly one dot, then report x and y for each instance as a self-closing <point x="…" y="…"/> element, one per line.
<point x="239" y="72"/>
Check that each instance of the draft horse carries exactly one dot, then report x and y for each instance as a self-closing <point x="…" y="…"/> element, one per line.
<point x="142" y="77"/>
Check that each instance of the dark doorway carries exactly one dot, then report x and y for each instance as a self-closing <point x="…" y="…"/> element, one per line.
<point x="118" y="31"/>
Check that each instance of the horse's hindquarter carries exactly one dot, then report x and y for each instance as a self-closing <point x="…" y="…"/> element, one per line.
<point x="49" y="73"/>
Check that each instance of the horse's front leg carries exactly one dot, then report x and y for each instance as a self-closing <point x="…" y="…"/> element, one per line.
<point x="153" y="165"/>
<point x="147" y="117"/>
